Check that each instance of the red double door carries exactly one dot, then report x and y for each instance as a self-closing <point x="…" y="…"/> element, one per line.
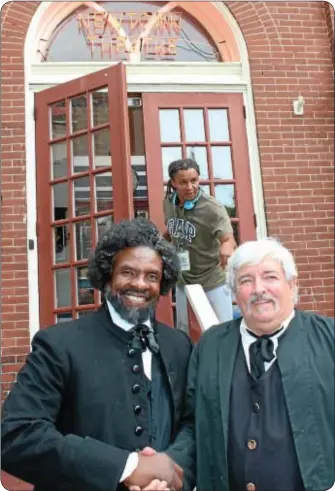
<point x="102" y="156"/>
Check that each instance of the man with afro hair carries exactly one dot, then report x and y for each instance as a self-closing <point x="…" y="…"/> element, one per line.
<point x="95" y="392"/>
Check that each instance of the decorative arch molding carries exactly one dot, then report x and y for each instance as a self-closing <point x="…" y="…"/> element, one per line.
<point x="50" y="14"/>
<point x="218" y="26"/>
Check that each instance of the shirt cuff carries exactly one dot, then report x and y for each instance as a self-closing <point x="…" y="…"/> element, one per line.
<point x="131" y="465"/>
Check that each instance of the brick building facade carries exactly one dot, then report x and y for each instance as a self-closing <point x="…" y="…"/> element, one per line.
<point x="289" y="49"/>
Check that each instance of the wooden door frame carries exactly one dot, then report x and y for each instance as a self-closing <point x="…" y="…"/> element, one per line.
<point x="152" y="102"/>
<point x="115" y="79"/>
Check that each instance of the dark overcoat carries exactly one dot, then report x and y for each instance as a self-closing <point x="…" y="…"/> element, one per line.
<point x="306" y="364"/>
<point x="69" y="422"/>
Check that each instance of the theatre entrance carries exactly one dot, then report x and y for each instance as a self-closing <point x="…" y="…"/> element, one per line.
<point x="103" y="154"/>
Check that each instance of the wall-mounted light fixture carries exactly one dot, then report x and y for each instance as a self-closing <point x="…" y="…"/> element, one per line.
<point x="298" y="106"/>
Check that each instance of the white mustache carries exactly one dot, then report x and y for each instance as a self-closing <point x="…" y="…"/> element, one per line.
<point x="261" y="298"/>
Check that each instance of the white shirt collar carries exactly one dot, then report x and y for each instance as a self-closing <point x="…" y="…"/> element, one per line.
<point x="120" y="321"/>
<point x="248" y="339"/>
<point x="284" y="325"/>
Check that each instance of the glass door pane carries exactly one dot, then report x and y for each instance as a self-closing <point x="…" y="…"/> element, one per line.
<point x="210" y="128"/>
<point x="83" y="138"/>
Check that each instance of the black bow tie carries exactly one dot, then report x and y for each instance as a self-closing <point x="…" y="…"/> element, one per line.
<point x="261" y="350"/>
<point x="143" y="338"/>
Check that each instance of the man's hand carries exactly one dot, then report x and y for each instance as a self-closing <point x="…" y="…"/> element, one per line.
<point x="155" y="467"/>
<point x="155" y="485"/>
<point x="227" y="248"/>
<point x="148" y="451"/>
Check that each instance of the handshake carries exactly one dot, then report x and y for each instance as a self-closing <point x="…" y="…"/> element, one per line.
<point x="155" y="472"/>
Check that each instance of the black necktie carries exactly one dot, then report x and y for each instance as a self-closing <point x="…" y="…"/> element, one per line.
<point x="262" y="350"/>
<point x="143" y="338"/>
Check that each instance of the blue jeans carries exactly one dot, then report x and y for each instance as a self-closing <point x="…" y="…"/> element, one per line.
<point x="220" y="299"/>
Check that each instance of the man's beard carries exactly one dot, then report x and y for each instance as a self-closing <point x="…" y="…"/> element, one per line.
<point x="133" y="315"/>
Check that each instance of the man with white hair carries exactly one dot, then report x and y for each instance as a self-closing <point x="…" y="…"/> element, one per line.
<point x="260" y="395"/>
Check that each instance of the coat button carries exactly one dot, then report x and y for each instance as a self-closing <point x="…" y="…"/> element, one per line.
<point x="252" y="444"/>
<point x="256" y="407"/>
<point x="131" y="352"/>
<point x="137" y="409"/>
<point x="251" y="486"/>
<point x="138" y="430"/>
<point x="136" y="388"/>
<point x="136" y="369"/>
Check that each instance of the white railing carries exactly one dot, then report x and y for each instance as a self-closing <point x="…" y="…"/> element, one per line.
<point x="201" y="306"/>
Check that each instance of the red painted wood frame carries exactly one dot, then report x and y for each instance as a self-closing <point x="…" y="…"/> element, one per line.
<point x="233" y="103"/>
<point x="114" y="80"/>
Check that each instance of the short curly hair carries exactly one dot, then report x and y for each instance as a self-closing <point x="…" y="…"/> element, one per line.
<point x="132" y="233"/>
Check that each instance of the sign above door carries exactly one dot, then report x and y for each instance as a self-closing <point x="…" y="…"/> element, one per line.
<point x="154" y="34"/>
<point x="130" y="31"/>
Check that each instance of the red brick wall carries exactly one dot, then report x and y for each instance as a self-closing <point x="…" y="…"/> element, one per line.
<point x="290" y="54"/>
<point x="15" y="20"/>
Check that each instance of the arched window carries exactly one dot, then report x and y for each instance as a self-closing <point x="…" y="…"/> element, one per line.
<point x="129" y="31"/>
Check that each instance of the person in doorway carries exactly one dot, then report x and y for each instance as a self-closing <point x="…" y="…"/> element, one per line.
<point x="261" y="388"/>
<point x="95" y="392"/>
<point x="200" y="228"/>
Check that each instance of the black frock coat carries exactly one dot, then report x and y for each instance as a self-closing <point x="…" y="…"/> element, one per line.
<point x="69" y="422"/>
